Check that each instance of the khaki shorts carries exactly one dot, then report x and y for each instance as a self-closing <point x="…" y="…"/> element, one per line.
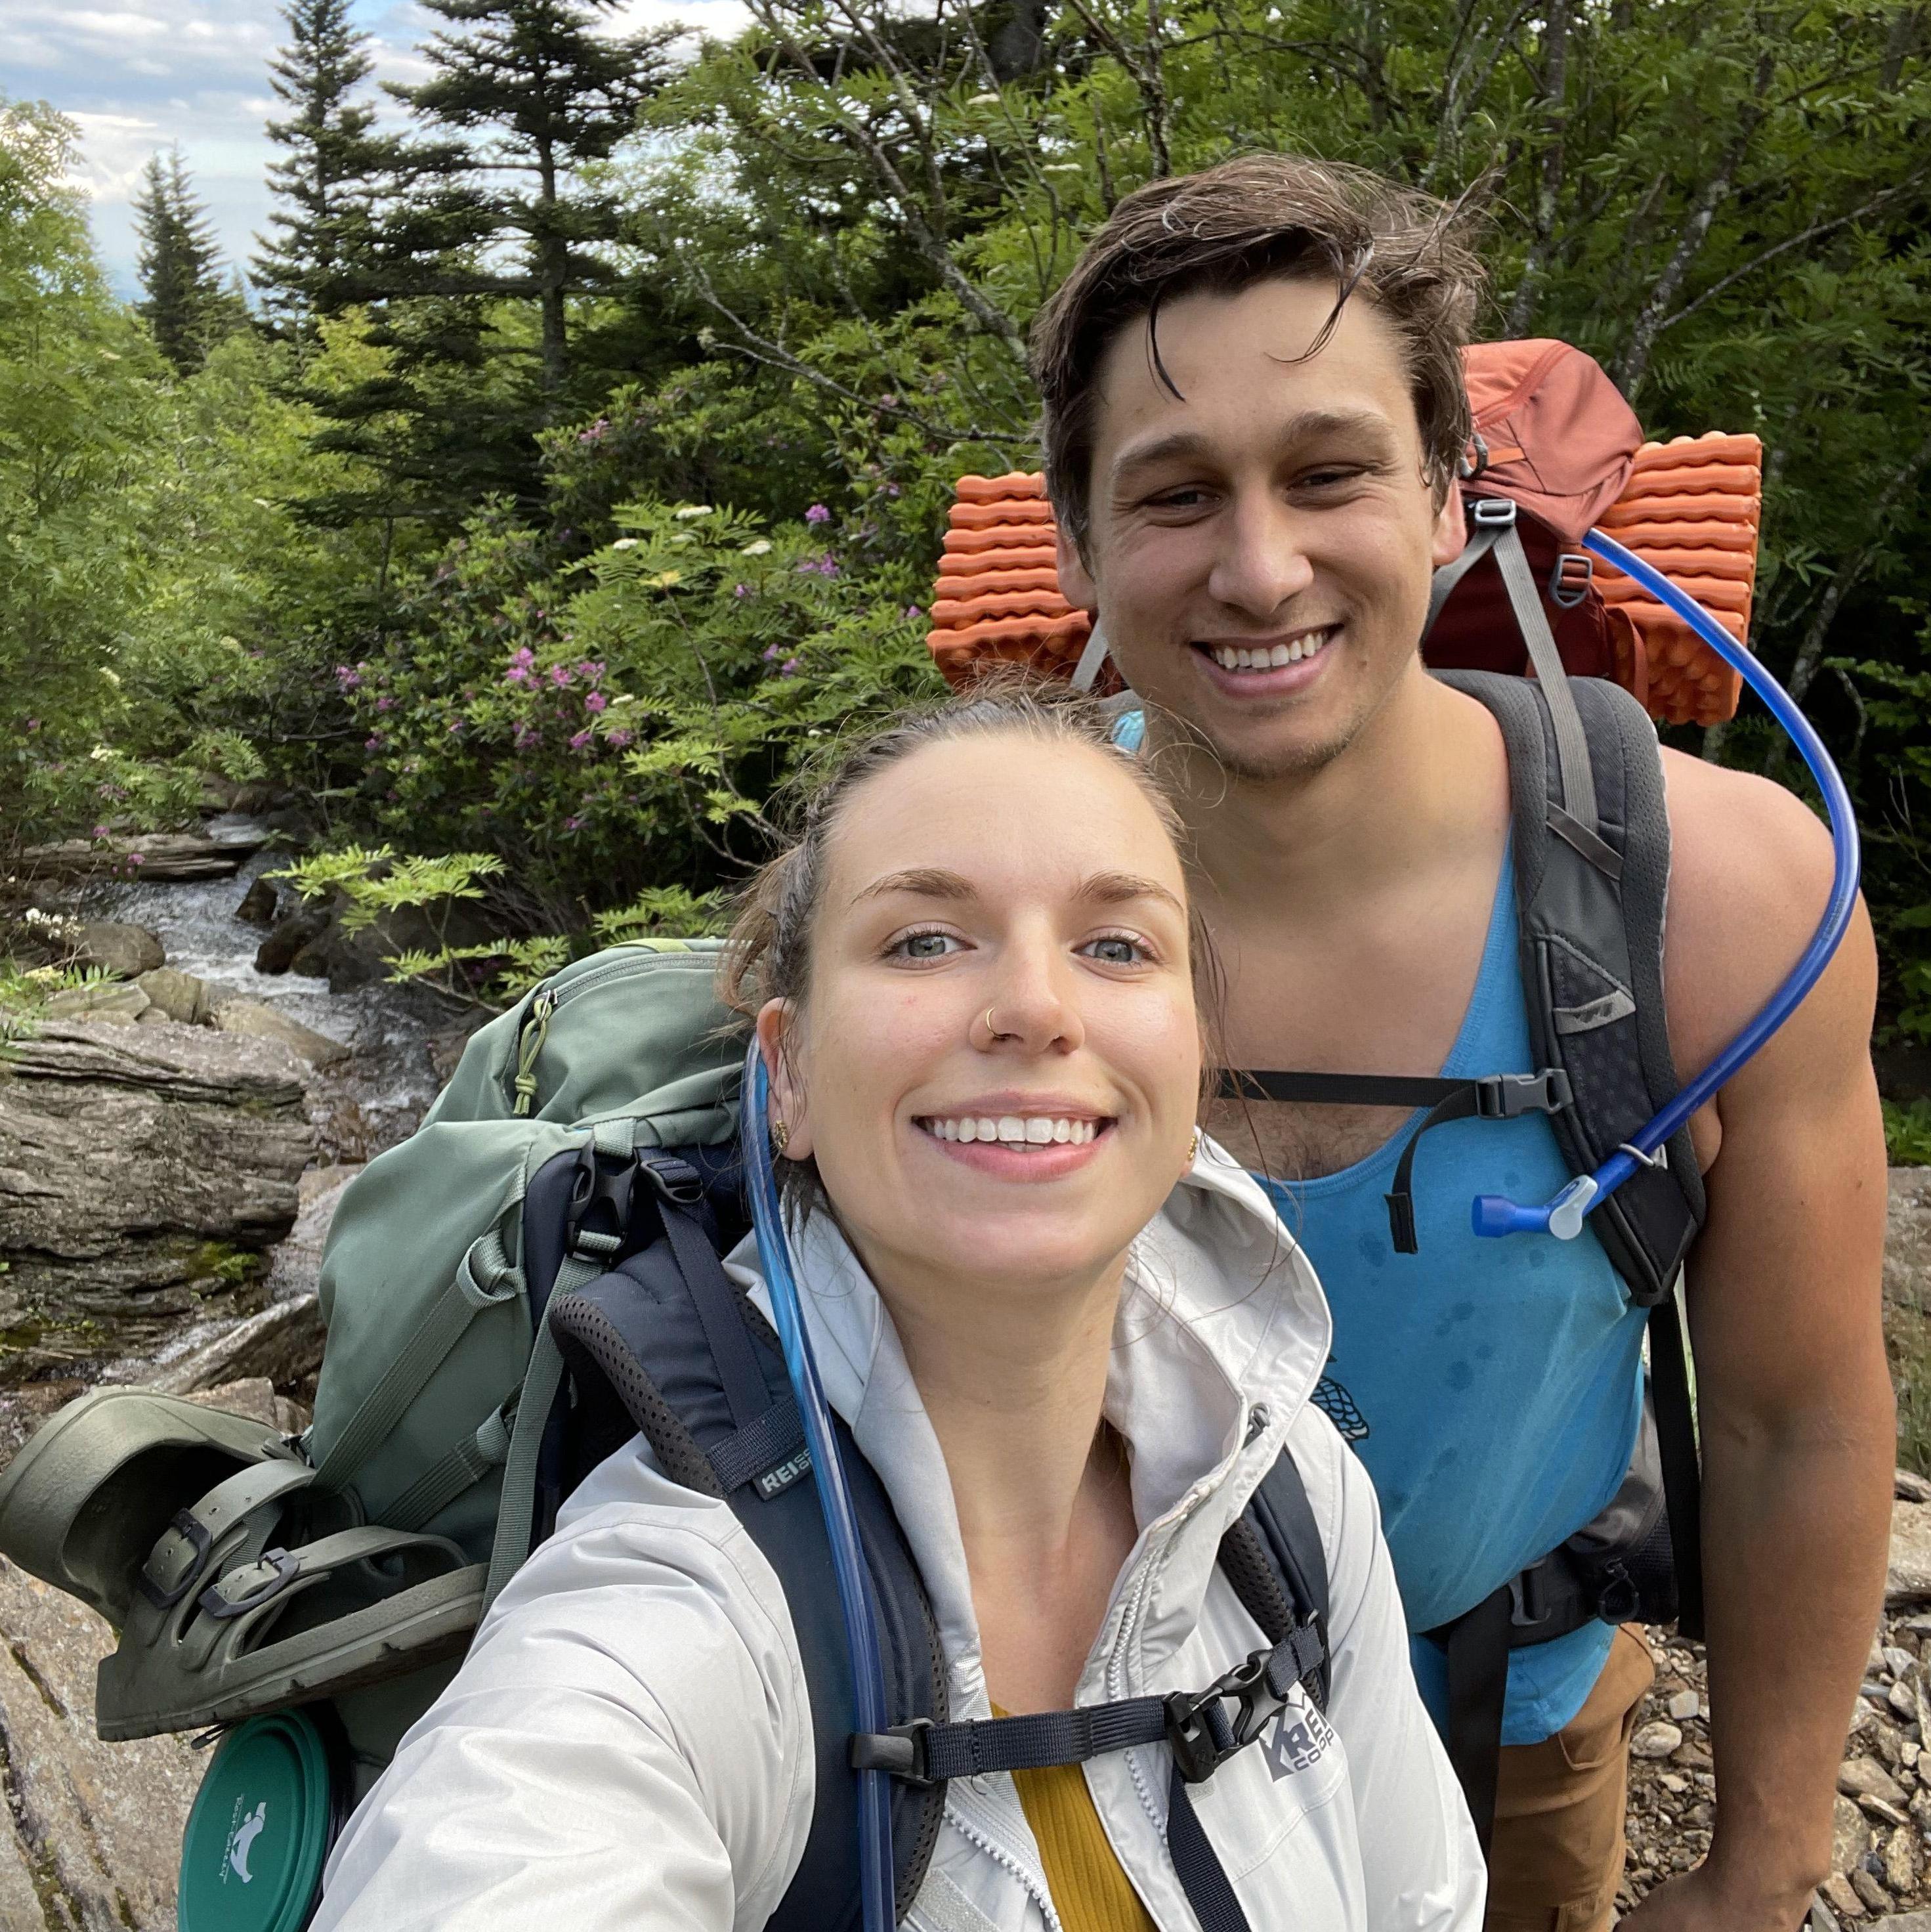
<point x="1556" y="1858"/>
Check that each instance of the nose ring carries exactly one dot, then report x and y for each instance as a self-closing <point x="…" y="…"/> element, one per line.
<point x="993" y="1035"/>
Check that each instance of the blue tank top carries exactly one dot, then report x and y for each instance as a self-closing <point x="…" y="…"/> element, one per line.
<point x="1492" y="1387"/>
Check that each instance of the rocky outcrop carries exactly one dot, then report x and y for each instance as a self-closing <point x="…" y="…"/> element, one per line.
<point x="1907" y="1244"/>
<point x="179" y="997"/>
<point x="252" y="1018"/>
<point x="147" y="855"/>
<point x="90" y="1838"/>
<point x="125" y="951"/>
<point x="143" y="1171"/>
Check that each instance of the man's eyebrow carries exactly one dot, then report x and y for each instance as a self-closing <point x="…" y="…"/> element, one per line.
<point x="930" y="882"/>
<point x="1183" y="443"/>
<point x="1117" y="888"/>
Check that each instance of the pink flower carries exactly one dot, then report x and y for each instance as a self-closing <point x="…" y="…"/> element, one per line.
<point x="136" y="859"/>
<point x="788" y="668"/>
<point x="581" y="741"/>
<point x="347" y="677"/>
<point x="372" y="742"/>
<point x="33" y="723"/>
<point x="818" y="514"/>
<point x="591" y="671"/>
<point x="526" y="735"/>
<point x="888" y="402"/>
<point x="559" y="676"/>
<point x="457" y="727"/>
<point x="596" y="701"/>
<point x="912" y="611"/>
<point x="572" y="824"/>
<point x="741" y="590"/>
<point x="621" y="737"/>
<point x="772" y="652"/>
<point x="385" y="702"/>
<point x="99" y="831"/>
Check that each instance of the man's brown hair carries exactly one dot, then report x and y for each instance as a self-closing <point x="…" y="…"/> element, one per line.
<point x="1224" y="229"/>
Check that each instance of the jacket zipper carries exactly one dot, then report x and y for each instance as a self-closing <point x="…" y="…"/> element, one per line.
<point x="1000" y="1856"/>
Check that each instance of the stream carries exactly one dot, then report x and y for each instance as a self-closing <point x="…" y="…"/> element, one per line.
<point x="371" y="1101"/>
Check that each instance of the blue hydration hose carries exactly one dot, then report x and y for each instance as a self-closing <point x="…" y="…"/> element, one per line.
<point x="1494" y="1214"/>
<point x="876" y="1886"/>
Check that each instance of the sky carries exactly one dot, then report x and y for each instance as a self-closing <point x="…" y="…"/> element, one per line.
<point x="136" y="75"/>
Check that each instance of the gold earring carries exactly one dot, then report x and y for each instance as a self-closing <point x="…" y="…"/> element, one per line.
<point x="781" y="1136"/>
<point x="1193" y="1149"/>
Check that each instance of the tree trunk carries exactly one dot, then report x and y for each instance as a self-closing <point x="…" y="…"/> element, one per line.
<point x="1555" y="92"/>
<point x="552" y="254"/>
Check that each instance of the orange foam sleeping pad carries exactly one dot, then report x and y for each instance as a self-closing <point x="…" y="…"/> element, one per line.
<point x="1691" y="508"/>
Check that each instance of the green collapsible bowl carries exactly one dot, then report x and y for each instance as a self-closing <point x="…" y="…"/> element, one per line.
<point x="259" y="1832"/>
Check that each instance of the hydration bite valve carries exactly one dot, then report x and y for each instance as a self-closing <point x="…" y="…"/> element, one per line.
<point x="1493" y="1215"/>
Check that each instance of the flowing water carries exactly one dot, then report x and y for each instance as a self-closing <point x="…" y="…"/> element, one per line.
<point x="366" y="1104"/>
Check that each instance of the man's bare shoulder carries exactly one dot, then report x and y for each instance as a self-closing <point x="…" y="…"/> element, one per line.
<point x="1751" y="871"/>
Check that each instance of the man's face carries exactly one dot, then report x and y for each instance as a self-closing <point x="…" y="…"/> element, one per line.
<point x="1260" y="552"/>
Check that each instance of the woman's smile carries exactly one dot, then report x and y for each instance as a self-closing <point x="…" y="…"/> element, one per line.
<point x="1015" y="1137"/>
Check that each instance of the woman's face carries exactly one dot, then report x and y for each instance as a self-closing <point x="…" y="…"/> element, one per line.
<point x="1033" y="883"/>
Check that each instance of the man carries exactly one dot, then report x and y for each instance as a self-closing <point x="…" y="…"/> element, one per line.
<point x="1253" y="413"/>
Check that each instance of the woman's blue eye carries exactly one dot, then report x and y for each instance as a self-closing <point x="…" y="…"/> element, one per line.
<point x="1117" y="950"/>
<point x="926" y="945"/>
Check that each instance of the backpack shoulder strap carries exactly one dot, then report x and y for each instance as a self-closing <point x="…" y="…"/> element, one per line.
<point x="666" y="1343"/>
<point x="1590" y="907"/>
<point x="1273" y="1558"/>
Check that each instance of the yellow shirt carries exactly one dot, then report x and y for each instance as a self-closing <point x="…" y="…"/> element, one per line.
<point x="1090" y="1892"/>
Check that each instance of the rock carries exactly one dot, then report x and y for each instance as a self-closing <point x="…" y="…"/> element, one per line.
<point x="1821" y="1918"/>
<point x="264" y="1022"/>
<point x="1900" y="1861"/>
<point x="1901" y="1921"/>
<point x="258" y="908"/>
<point x="1909" y="1579"/>
<point x="1865" y="1778"/>
<point x="278" y="953"/>
<point x="1912" y="1487"/>
<point x="1836" y="1891"/>
<point x="281" y="1347"/>
<point x="1684" y="1704"/>
<point x="112" y="1000"/>
<point x="22" y="1410"/>
<point x="1897" y="1660"/>
<point x="1850" y="1835"/>
<point x="142" y="1172"/>
<point x="254" y="1397"/>
<point x="1692" y="1755"/>
<point x="1907" y="1246"/>
<point x="1904" y="1701"/>
<point x="180" y="996"/>
<point x="125" y="951"/>
<point x="145" y="855"/>
<point x="295" y="1270"/>
<point x="90" y="1837"/>
<point x="1876" y="1898"/>
<point x="1656" y="1739"/>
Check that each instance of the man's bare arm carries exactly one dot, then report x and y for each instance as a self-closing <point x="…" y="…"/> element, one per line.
<point x="1794" y="1396"/>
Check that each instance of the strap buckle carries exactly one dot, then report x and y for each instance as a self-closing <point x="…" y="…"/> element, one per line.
<point x="1572" y="579"/>
<point x="1496" y="513"/>
<point x="677" y="1181"/>
<point x="599" y="1183"/>
<point x="167" y="1555"/>
<point x="899" y="1752"/>
<point x="1504" y="1096"/>
<point x="1204" y="1734"/>
<point x="1528" y="1608"/>
<point x="268" y="1578"/>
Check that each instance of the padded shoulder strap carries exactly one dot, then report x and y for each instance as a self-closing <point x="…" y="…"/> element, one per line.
<point x="1589" y="904"/>
<point x="641" y="1341"/>
<point x="1274" y="1558"/>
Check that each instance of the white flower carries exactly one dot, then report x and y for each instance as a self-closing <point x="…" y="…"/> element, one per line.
<point x="983" y="101"/>
<point x="100" y="754"/>
<point x="623" y="697"/>
<point x="112" y="677"/>
<point x="691" y="512"/>
<point x="625" y="543"/>
<point x="761" y="548"/>
<point x="1064" y="168"/>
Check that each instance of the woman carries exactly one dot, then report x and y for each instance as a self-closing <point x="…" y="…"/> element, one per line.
<point x="1070" y="1340"/>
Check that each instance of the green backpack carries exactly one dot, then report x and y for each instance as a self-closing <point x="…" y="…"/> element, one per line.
<point x="352" y="1564"/>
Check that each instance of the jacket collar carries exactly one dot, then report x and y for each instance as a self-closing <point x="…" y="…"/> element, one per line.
<point x="1222" y="1333"/>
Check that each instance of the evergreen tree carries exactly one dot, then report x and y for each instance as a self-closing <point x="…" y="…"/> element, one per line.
<point x="533" y="92"/>
<point x="186" y="304"/>
<point x="332" y="164"/>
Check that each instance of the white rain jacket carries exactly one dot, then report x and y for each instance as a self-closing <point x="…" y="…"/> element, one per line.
<point x="628" y="1743"/>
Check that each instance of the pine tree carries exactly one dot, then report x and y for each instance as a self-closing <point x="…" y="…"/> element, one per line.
<point x="188" y="306"/>
<point x="532" y="91"/>
<point x="333" y="166"/>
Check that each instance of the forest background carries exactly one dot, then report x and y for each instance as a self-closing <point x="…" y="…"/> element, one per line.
<point x="574" y="459"/>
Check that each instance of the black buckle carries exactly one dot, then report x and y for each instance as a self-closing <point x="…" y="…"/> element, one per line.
<point x="1503" y="1096"/>
<point x="601" y="1180"/>
<point x="1527" y="1607"/>
<point x="1493" y="512"/>
<point x="677" y="1181"/>
<point x="283" y="1569"/>
<point x="1202" y="1734"/>
<point x="1618" y="1599"/>
<point x="899" y="1752"/>
<point x="199" y="1542"/>
<point x="1565" y="590"/>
